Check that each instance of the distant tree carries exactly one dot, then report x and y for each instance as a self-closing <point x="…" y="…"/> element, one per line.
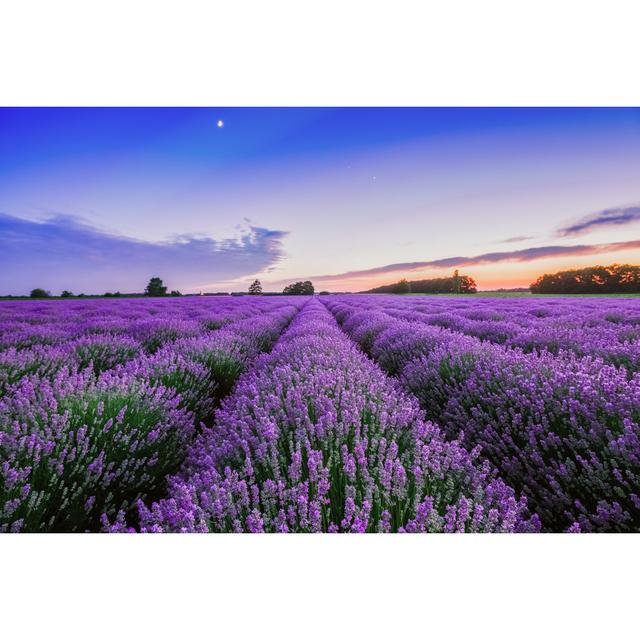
<point x="155" y="287"/>
<point x="66" y="294"/>
<point x="117" y="294"/>
<point x="466" y="284"/>
<point x="175" y="294"/>
<point x="108" y="294"/>
<point x="456" y="281"/>
<point x="402" y="287"/>
<point x="255" y="288"/>
<point x="39" y="293"/>
<point x="81" y="295"/>
<point x="299" y="289"/>
<point x="616" y="278"/>
<point x="325" y="293"/>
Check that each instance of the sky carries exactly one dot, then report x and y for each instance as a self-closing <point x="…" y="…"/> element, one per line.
<point x="101" y="199"/>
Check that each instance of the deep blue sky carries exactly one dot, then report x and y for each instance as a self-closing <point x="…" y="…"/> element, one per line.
<point x="101" y="199"/>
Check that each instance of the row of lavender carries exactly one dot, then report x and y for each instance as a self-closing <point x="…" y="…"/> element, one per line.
<point x="585" y="326"/>
<point x="316" y="437"/>
<point x="561" y="429"/>
<point x="94" y="420"/>
<point x="151" y="321"/>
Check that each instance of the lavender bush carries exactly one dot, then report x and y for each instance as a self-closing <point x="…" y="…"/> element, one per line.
<point x="75" y="448"/>
<point x="102" y="352"/>
<point x="41" y="360"/>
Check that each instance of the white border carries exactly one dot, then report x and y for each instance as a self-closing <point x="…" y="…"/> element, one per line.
<point x="335" y="52"/>
<point x="304" y="586"/>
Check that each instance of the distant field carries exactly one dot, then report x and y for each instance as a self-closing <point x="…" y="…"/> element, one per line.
<point x="480" y="294"/>
<point x="523" y="294"/>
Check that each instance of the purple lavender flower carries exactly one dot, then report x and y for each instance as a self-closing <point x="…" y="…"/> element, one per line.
<point x="322" y="427"/>
<point x="559" y="425"/>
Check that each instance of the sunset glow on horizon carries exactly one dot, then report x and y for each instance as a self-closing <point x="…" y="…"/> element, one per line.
<point x="100" y="199"/>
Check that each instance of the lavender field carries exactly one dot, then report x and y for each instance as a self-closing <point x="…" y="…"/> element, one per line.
<point x="320" y="414"/>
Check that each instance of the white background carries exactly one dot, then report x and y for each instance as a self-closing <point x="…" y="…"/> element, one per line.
<point x="319" y="53"/>
<point x="334" y="52"/>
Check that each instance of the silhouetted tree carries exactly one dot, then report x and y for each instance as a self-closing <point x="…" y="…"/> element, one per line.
<point x="402" y="287"/>
<point x="456" y="281"/>
<point x="39" y="293"/>
<point x="466" y="284"/>
<point x="299" y="289"/>
<point x="155" y="287"/>
<point x="66" y="294"/>
<point x="616" y="278"/>
<point x="255" y="288"/>
<point x="175" y="294"/>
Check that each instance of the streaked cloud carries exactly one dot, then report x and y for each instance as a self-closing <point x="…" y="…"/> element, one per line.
<point x="65" y="252"/>
<point x="522" y="255"/>
<point x="614" y="217"/>
<point x="516" y="239"/>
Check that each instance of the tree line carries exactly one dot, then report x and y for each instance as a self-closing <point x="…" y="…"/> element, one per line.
<point x="615" y="278"/>
<point x="157" y="288"/>
<point x="300" y="288"/>
<point x="454" y="284"/>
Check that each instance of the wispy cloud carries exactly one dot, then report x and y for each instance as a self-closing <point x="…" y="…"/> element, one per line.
<point x="522" y="255"/>
<point x="516" y="239"/>
<point x="65" y="252"/>
<point x="606" y="218"/>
